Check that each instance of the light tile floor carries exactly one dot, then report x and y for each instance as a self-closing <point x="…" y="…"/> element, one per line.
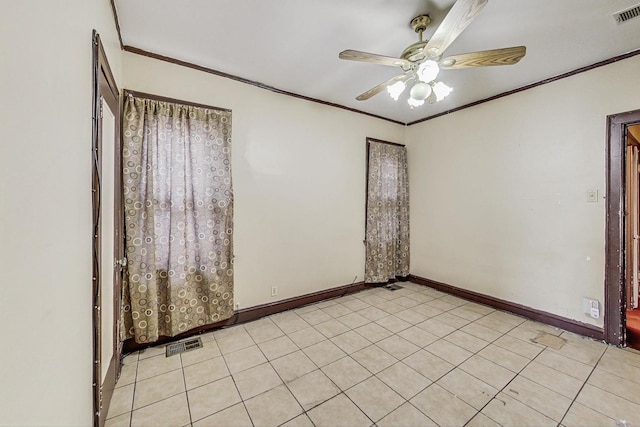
<point x="411" y="357"/>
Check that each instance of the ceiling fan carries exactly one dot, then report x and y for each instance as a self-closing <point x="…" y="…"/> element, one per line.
<point x="422" y="61"/>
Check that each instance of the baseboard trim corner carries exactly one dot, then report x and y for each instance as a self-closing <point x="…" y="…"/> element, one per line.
<point x="570" y="325"/>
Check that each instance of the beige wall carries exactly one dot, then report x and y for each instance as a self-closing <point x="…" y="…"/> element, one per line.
<point x="45" y="207"/>
<point x="298" y="175"/>
<point x="499" y="191"/>
<point x="498" y="194"/>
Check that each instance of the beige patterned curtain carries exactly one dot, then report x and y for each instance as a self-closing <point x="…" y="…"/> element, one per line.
<point x="387" y="235"/>
<point x="178" y="204"/>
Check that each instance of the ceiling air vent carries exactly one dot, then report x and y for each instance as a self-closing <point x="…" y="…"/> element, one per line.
<point x="625" y="15"/>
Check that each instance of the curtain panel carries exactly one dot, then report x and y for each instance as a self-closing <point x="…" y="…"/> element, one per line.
<point x="178" y="203"/>
<point x="387" y="228"/>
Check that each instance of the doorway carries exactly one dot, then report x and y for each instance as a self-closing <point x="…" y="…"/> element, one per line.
<point x="619" y="268"/>
<point x="108" y="245"/>
<point x="632" y="235"/>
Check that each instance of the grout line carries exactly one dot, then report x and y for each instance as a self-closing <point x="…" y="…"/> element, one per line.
<point x="133" y="395"/>
<point x="230" y="375"/>
<point x="423" y="348"/>
<point x="304" y="411"/>
<point x="244" y="405"/>
<point x="234" y="380"/>
<point x="356" y="405"/>
<point x="159" y="400"/>
<point x="511" y="380"/>
<point x="610" y="392"/>
<point x="186" y="391"/>
<point x="372" y="375"/>
<point x="506" y="385"/>
<point x="456" y="329"/>
<point x="472" y="353"/>
<point x="400" y="360"/>
<point x="318" y="368"/>
<point x="542" y="385"/>
<point x="582" y="387"/>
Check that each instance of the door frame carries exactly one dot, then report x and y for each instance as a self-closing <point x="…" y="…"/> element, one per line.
<point x="105" y="88"/>
<point x="614" y="279"/>
<point x="631" y="224"/>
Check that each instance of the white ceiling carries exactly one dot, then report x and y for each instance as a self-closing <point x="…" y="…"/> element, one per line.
<point x="293" y="45"/>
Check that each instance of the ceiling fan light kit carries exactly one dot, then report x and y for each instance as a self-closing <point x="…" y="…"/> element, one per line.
<point x="425" y="85"/>
<point x="396" y="89"/>
<point x="422" y="61"/>
<point x="420" y="91"/>
<point x="441" y="90"/>
<point x="428" y="71"/>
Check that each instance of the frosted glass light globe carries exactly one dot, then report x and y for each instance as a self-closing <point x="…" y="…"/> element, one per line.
<point x="420" y="91"/>
<point x="428" y="71"/>
<point x="441" y="90"/>
<point x="396" y="89"/>
<point x="413" y="103"/>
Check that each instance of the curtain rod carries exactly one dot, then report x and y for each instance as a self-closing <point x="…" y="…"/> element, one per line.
<point x="129" y="93"/>
<point x="384" y="142"/>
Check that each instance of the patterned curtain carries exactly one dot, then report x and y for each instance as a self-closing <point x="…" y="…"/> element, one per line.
<point x="387" y="235"/>
<point x="178" y="204"/>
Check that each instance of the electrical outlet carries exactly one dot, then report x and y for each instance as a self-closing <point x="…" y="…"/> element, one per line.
<point x="591" y="307"/>
<point x="274" y="291"/>
<point x="595" y="309"/>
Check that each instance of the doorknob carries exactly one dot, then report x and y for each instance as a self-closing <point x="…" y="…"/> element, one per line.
<point x="120" y="262"/>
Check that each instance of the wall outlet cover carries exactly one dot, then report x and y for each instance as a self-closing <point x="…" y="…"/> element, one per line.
<point x="591" y="307"/>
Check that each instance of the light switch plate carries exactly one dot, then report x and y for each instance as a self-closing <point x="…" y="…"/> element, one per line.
<point x="592" y="196"/>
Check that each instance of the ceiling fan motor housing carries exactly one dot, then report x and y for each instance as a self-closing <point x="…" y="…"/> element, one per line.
<point x="419" y="23"/>
<point x="413" y="52"/>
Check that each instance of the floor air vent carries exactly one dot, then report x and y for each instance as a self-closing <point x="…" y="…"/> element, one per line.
<point x="625" y="15"/>
<point x="182" y="346"/>
<point x="393" y="287"/>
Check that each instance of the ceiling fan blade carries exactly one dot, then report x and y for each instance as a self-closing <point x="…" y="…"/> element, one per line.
<point x="485" y="58"/>
<point x="355" y="55"/>
<point x="382" y="86"/>
<point x="458" y="18"/>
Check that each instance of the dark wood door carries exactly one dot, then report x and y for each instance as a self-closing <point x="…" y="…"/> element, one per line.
<point x="108" y="242"/>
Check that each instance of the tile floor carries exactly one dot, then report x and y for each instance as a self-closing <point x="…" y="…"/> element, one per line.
<point x="411" y="357"/>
